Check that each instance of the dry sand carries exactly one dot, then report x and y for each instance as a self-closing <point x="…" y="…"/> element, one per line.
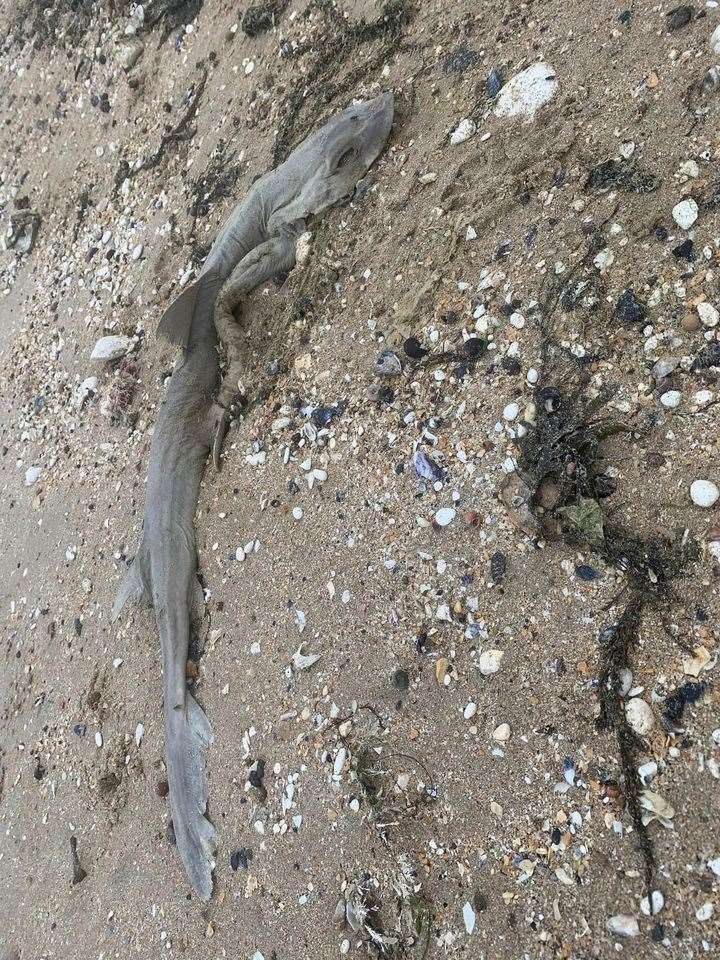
<point x="517" y="833"/>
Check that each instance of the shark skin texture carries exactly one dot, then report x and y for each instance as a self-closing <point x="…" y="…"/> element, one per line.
<point x="256" y="243"/>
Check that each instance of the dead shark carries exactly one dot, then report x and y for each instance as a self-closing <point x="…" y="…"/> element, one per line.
<point x="256" y="243"/>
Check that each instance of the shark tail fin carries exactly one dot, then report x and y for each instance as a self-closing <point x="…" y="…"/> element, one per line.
<point x="198" y="298"/>
<point x="188" y="733"/>
<point x="135" y="586"/>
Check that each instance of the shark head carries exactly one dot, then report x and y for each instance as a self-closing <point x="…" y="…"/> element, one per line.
<point x="329" y="164"/>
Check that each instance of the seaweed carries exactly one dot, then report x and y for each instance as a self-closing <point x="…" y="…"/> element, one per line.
<point x="323" y="83"/>
<point x="563" y="469"/>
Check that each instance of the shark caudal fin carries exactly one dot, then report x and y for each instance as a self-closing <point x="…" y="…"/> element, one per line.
<point x="196" y="299"/>
<point x="187" y="734"/>
<point x="135" y="586"/>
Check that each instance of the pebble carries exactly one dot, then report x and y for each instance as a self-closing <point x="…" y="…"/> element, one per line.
<point x="98" y="739"/>
<point x="490" y="661"/>
<point x="137" y="251"/>
<point x="705" y="911"/>
<point x="444" y="516"/>
<point x="502" y="733"/>
<point x="470" y="710"/>
<point x="639" y="715"/>
<point x="511" y="412"/>
<point x="110" y="348"/>
<point x="623" y="925"/>
<point x="685" y="213"/>
<point x="468" y="918"/>
<point x="663" y="368"/>
<point x="704" y="493"/>
<point x="388" y="364"/>
<point x="32" y="475"/>
<point x="715" y="40"/>
<point x="652" y="904"/>
<point x="708" y="314"/>
<point x="671" y="399"/>
<point x="297" y="513"/>
<point x="527" y="92"/>
<point x="463" y="131"/>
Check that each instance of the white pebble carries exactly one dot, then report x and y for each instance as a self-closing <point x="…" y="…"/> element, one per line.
<point x="715" y="40"/>
<point x="297" y="513"/>
<point x="527" y="92"/>
<point x="671" y="399"/>
<point x="444" y="516"/>
<point x="98" y="739"/>
<point x="685" y="213"/>
<point x="517" y="320"/>
<point x="502" y="733"/>
<point x="32" y="475"/>
<point x="623" y="925"/>
<point x="532" y="376"/>
<point x="652" y="904"/>
<point x="464" y="131"/>
<point x="137" y="251"/>
<point x="110" y="348"/>
<point x="468" y="918"/>
<point x="489" y="662"/>
<point x="704" y="493"/>
<point x="639" y="715"/>
<point x="470" y="710"/>
<point x="139" y="733"/>
<point x="708" y="314"/>
<point x="705" y="911"/>
<point x="511" y="412"/>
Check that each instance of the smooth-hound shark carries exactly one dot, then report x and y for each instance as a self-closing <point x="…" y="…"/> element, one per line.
<point x="257" y="242"/>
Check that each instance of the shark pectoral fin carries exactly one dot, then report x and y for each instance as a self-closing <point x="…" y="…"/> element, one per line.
<point x="135" y="586"/>
<point x="188" y="733"/>
<point x="176" y="323"/>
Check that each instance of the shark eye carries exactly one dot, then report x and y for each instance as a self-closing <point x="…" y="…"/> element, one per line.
<point x="345" y="158"/>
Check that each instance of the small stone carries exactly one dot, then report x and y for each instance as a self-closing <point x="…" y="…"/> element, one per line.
<point x="626" y="149"/>
<point x="639" y="716"/>
<point x="98" y="739"/>
<point x="604" y="260"/>
<point x="708" y="314"/>
<point x="110" y="348"/>
<point x="629" y="309"/>
<point x="704" y="493"/>
<point x="464" y="131"/>
<point x="653" y="904"/>
<point x="489" y="662"/>
<point x="297" y="513"/>
<point x="623" y="925"/>
<point x="511" y="412"/>
<point x="441" y="669"/>
<point x="527" y="92"/>
<point x="715" y="40"/>
<point x="671" y="399"/>
<point x="444" y="516"/>
<point x="388" y="364"/>
<point x="679" y="17"/>
<point x="468" y="918"/>
<point x="502" y="733"/>
<point x="663" y="368"/>
<point x="707" y="909"/>
<point x="137" y="251"/>
<point x="685" y="213"/>
<point x="470" y="710"/>
<point x="32" y="475"/>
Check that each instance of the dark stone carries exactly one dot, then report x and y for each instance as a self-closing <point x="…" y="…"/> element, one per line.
<point x="584" y="572"/>
<point x="474" y="348"/>
<point x="241" y="858"/>
<point x="494" y="83"/>
<point x="628" y="309"/>
<point x="708" y="357"/>
<point x="498" y="567"/>
<point x="684" y="251"/>
<point x="401" y="680"/>
<point x="413" y="349"/>
<point x="679" y="17"/>
<point x="621" y="175"/>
